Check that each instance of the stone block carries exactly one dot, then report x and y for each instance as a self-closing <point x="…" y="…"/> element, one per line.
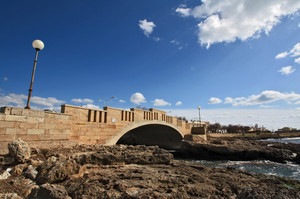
<point x="6" y="110"/>
<point x="28" y="125"/>
<point x="33" y="113"/>
<point x="55" y="132"/>
<point x="6" y="124"/>
<point x="16" y="111"/>
<point x="2" y="116"/>
<point x="49" y="126"/>
<point x="15" y="118"/>
<point x="36" y="131"/>
<point x="35" y="119"/>
<point x="2" y="131"/>
<point x="15" y="131"/>
<point x="8" y="138"/>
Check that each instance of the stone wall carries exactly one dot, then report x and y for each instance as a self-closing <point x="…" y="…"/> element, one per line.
<point x="37" y="128"/>
<point x="76" y="125"/>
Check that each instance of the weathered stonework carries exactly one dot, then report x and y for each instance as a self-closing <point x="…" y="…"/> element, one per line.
<point x="78" y="125"/>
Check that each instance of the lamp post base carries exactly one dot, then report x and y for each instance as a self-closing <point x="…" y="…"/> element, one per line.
<point x="27" y="107"/>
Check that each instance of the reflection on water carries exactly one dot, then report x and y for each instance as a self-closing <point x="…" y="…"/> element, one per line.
<point x="262" y="167"/>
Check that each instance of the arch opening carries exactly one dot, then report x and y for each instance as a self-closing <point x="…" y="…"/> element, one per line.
<point x="153" y="134"/>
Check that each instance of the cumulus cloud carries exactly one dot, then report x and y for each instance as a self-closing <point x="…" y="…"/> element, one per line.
<point x="226" y="21"/>
<point x="178" y="103"/>
<point x="160" y="102"/>
<point x="298" y="102"/>
<point x="214" y="100"/>
<point x="294" y="52"/>
<point x="20" y="100"/>
<point x="286" y="70"/>
<point x="282" y="55"/>
<point x="138" y="98"/>
<point x="92" y="106"/>
<point x="5" y="79"/>
<point x="82" y="101"/>
<point x="146" y="26"/>
<point x="183" y="11"/>
<point x="264" y="97"/>
<point x="122" y="101"/>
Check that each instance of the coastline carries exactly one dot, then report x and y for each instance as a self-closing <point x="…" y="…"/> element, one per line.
<point x="121" y="171"/>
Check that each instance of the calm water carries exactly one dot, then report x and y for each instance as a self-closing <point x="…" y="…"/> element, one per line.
<point x="262" y="167"/>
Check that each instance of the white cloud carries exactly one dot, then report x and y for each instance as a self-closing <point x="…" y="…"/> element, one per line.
<point x="160" y="102"/>
<point x="91" y="106"/>
<point x="269" y="118"/>
<point x="82" y="101"/>
<point x="265" y="106"/>
<point x="178" y="103"/>
<point x="156" y="39"/>
<point x="282" y="55"/>
<point x="183" y="11"/>
<point x="294" y="52"/>
<point x="146" y="26"/>
<point x="287" y="70"/>
<point x="174" y="42"/>
<point x="5" y="79"/>
<point x="20" y="100"/>
<point x="298" y="102"/>
<point x="48" y="102"/>
<point x="122" y="101"/>
<point x="214" y="100"/>
<point x="138" y="98"/>
<point x="13" y="99"/>
<point x="264" y="97"/>
<point x="226" y="21"/>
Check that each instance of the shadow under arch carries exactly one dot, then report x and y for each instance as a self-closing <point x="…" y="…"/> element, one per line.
<point x="149" y="133"/>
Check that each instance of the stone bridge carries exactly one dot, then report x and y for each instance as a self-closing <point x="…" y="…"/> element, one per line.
<point x="92" y="126"/>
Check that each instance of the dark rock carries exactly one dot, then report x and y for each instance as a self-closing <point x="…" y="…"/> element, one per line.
<point x="19" y="150"/>
<point x="53" y="171"/>
<point x="49" y="191"/>
<point x="238" y="150"/>
<point x="121" y="154"/>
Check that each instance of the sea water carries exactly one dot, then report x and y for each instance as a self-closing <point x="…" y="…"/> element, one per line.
<point x="289" y="170"/>
<point x="295" y="140"/>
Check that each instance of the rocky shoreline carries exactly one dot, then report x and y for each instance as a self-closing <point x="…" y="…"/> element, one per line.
<point x="120" y="171"/>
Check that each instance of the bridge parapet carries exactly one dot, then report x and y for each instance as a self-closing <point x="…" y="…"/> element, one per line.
<point x="83" y="125"/>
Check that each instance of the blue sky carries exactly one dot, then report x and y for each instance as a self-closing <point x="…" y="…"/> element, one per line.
<point x="238" y="60"/>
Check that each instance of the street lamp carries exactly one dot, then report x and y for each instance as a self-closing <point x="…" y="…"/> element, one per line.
<point x="37" y="45"/>
<point x="105" y="101"/>
<point x="199" y="115"/>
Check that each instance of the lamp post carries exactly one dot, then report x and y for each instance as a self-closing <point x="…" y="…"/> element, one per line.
<point x="105" y="101"/>
<point x="199" y="116"/>
<point x="37" y="45"/>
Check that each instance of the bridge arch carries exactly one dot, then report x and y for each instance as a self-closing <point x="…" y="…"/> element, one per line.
<point x="158" y="133"/>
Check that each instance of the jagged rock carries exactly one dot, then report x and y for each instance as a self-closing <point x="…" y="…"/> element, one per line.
<point x="18" y="169"/>
<point x="55" y="171"/>
<point x="19" y="150"/>
<point x="238" y="150"/>
<point x="121" y="154"/>
<point x="9" y="196"/>
<point x="30" y="172"/>
<point x="49" y="191"/>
